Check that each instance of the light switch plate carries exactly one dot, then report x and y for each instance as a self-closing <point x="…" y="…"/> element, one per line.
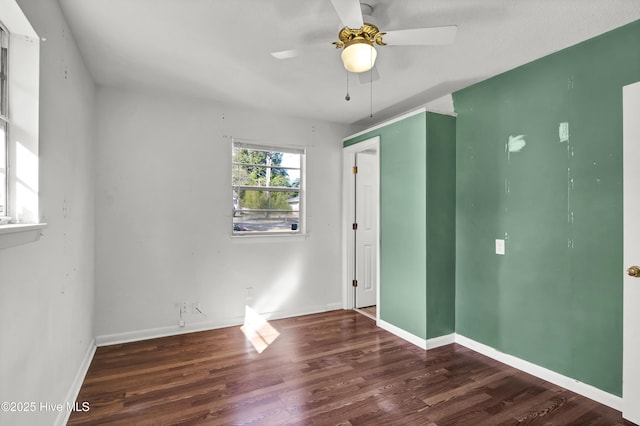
<point x="499" y="246"/>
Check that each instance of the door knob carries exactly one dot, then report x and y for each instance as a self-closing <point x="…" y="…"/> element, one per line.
<point x="634" y="271"/>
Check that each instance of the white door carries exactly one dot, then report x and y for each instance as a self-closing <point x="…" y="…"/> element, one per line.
<point x="631" y="351"/>
<point x="366" y="202"/>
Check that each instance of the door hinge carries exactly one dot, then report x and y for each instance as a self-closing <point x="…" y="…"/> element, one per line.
<point x="354" y="283"/>
<point x="354" y="226"/>
<point x="354" y="170"/>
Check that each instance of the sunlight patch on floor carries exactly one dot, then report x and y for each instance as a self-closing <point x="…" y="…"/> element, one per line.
<point x="258" y="331"/>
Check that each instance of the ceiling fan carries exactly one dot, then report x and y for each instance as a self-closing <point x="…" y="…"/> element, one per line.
<point x="357" y="38"/>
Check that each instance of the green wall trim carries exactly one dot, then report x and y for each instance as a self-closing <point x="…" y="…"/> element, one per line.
<point x="555" y="297"/>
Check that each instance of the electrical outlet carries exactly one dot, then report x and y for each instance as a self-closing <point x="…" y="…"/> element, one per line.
<point x="184" y="308"/>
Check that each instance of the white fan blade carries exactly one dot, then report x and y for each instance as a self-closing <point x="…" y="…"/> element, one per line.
<point x="349" y="12"/>
<point x="309" y="48"/>
<point x="369" y="76"/>
<point x="421" y="36"/>
<point x="286" y="54"/>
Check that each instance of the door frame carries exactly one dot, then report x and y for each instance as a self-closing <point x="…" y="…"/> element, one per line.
<point x="348" y="207"/>
<point x="630" y="368"/>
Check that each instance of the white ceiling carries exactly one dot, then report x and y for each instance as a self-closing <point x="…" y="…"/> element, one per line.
<point x="220" y="49"/>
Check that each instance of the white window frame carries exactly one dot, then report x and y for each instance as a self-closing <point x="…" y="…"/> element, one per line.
<point x="4" y="120"/>
<point x="301" y="190"/>
<point x="22" y="115"/>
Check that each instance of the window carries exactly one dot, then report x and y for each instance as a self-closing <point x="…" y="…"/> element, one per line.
<point x="3" y="168"/>
<point x="267" y="189"/>
<point x="4" y="120"/>
<point x="19" y="111"/>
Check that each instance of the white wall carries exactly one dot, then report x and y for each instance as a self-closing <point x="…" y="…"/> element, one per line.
<point x="163" y="218"/>
<point x="46" y="287"/>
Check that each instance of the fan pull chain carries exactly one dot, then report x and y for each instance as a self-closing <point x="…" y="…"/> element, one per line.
<point x="371" y="93"/>
<point x="347" y="98"/>
<point x="371" y="87"/>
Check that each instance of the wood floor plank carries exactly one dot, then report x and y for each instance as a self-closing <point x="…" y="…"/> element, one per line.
<point x="334" y="368"/>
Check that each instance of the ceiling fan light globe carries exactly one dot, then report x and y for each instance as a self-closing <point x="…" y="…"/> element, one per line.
<point x="359" y="56"/>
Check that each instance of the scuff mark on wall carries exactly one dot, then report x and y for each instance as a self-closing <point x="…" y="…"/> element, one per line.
<point x="516" y="143"/>
<point x="563" y="132"/>
<point x="569" y="191"/>
<point x="564" y="136"/>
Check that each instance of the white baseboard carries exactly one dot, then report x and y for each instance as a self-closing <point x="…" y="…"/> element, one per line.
<point x="425" y="344"/>
<point x="573" y="385"/>
<point x="172" y="330"/>
<point x="334" y="306"/>
<point x="403" y="334"/>
<point x="74" y="390"/>
<point x="436" y="342"/>
<point x="192" y="327"/>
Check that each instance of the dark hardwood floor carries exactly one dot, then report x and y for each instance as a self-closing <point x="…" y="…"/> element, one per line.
<point x="370" y="311"/>
<point x="334" y="368"/>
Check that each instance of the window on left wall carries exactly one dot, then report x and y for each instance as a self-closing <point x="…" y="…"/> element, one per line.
<point x="19" y="120"/>
<point x="3" y="168"/>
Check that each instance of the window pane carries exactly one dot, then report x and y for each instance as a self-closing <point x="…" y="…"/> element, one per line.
<point x="267" y="211"/>
<point x="4" y="44"/>
<point x="3" y="168"/>
<point x="259" y="167"/>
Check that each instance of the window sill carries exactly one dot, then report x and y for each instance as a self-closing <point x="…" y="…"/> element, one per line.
<point x="268" y="238"/>
<point x="12" y="235"/>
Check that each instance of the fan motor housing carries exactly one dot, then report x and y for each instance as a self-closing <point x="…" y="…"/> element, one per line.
<point x="368" y="33"/>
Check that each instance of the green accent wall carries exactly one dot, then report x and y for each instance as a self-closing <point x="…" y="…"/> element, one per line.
<point x="555" y="297"/>
<point x="417" y="223"/>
